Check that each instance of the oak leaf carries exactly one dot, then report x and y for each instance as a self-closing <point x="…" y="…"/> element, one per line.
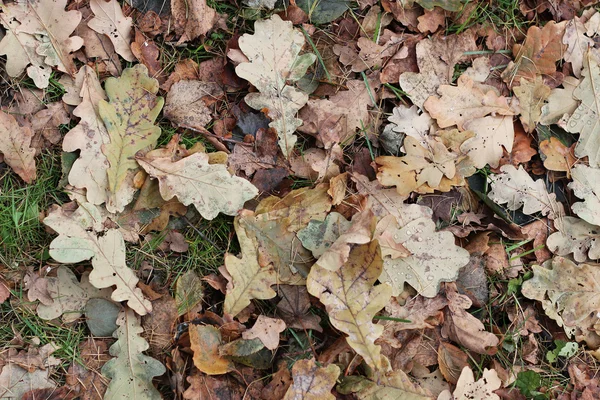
<point x="393" y="385"/>
<point x="129" y="119"/>
<point x="575" y="236"/>
<point x="469" y="389"/>
<point x="585" y="185"/>
<point x="312" y="382"/>
<point x="459" y="104"/>
<point x="110" y="21"/>
<point x="412" y="122"/>
<point x="16" y="381"/>
<point x="78" y="240"/>
<point x="39" y="33"/>
<point x="89" y="170"/>
<point x="515" y="188"/>
<point x="352" y="300"/>
<point x="130" y="371"/>
<point x="577" y="44"/>
<point x="69" y="296"/>
<point x="192" y="18"/>
<point x="267" y="330"/>
<point x="531" y="95"/>
<point x="209" y="187"/>
<point x="294" y="308"/>
<point x="492" y="134"/>
<point x="560" y="102"/>
<point x="273" y="53"/>
<point x="537" y="55"/>
<point x="584" y="119"/>
<point x="186" y="103"/>
<point x="433" y="257"/>
<point x="249" y="279"/>
<point x="569" y="292"/>
<point x="15" y="146"/>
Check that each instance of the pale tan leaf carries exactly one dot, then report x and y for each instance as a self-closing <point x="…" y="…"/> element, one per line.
<point x="249" y="280"/>
<point x="110" y="21"/>
<point x="89" y="170"/>
<point x="492" y="134"/>
<point x="434" y="258"/>
<point x="16" y="381"/>
<point x="351" y="299"/>
<point x="560" y="102"/>
<point x="273" y="51"/>
<point x="412" y="123"/>
<point x="267" y="330"/>
<point x="15" y="146"/>
<point x="312" y="382"/>
<point x="577" y="44"/>
<point x="459" y="104"/>
<point x="129" y="119"/>
<point x="186" y="104"/>
<point x="575" y="236"/>
<point x="130" y="371"/>
<point x="569" y="292"/>
<point x="483" y="389"/>
<point x="192" y="18"/>
<point x="209" y="187"/>
<point x="531" y="95"/>
<point x="515" y="188"/>
<point x="584" y="119"/>
<point x="585" y="185"/>
<point x="78" y="240"/>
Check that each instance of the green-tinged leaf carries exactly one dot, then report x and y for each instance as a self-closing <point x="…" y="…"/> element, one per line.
<point x="323" y="11"/>
<point x="101" y="317"/>
<point x="129" y="119"/>
<point x="448" y="5"/>
<point x="394" y="385"/>
<point x="209" y="187"/>
<point x="130" y="371"/>
<point x="248" y="279"/>
<point x="352" y="300"/>
<point x="273" y="51"/>
<point x="188" y="292"/>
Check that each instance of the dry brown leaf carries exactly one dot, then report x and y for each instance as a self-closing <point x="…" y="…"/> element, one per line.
<point x="537" y="55"/>
<point x="465" y="329"/>
<point x="192" y="19"/>
<point x="294" y="308"/>
<point x="452" y="360"/>
<point x="312" y="382"/>
<point x="187" y="103"/>
<point x="148" y="53"/>
<point x="45" y="123"/>
<point x="15" y="142"/>
<point x="267" y="330"/>
<point x="557" y="156"/>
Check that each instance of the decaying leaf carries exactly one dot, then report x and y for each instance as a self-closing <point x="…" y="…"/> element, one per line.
<point x="585" y="185"/>
<point x="560" y="102"/>
<point x="16" y="381"/>
<point x="312" y="382"/>
<point x="192" y="18"/>
<point x="577" y="44"/>
<point x="351" y="300"/>
<point x="515" y="188"/>
<point x="205" y="341"/>
<point x="469" y="389"/>
<point x="89" y="170"/>
<point x="39" y="36"/>
<point x="294" y="308"/>
<point x="110" y="21"/>
<point x="267" y="330"/>
<point x="575" y="236"/>
<point x="584" y="119"/>
<point x="69" y="296"/>
<point x="130" y="371"/>
<point x="531" y="95"/>
<point x="393" y="385"/>
<point x="78" y="241"/>
<point x="433" y="257"/>
<point x="273" y="53"/>
<point x="249" y="279"/>
<point x="129" y="119"/>
<point x="187" y="100"/>
<point x="209" y="187"/>
<point x="15" y="146"/>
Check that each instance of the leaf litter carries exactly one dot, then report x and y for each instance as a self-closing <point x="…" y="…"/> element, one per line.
<point x="329" y="137"/>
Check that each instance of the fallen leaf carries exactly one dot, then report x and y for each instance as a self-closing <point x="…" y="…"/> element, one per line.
<point x="393" y="385"/>
<point x="577" y="44"/>
<point x="84" y="378"/>
<point x="186" y="103"/>
<point x="249" y="280"/>
<point x="492" y="135"/>
<point x="515" y="188"/>
<point x="45" y="123"/>
<point x="351" y="300"/>
<point x="148" y="53"/>
<point x="465" y="329"/>
<point x="15" y="142"/>
<point x="584" y="186"/>
<point x="294" y="308"/>
<point x="194" y="180"/>
<point x="78" y="241"/>
<point x="273" y="59"/>
<point x="451" y="360"/>
<point x="560" y="102"/>
<point x="558" y="157"/>
<point x="129" y="119"/>
<point x="205" y="341"/>
<point x="16" y="381"/>
<point x="110" y="21"/>
<point x="584" y="119"/>
<point x="312" y="382"/>
<point x="130" y="371"/>
<point x="188" y="292"/>
<point x="537" y="55"/>
<point x="469" y="389"/>
<point x="192" y="19"/>
<point x="575" y="236"/>
<point x="531" y="95"/>
<point x="412" y="122"/>
<point x="213" y="387"/>
<point x="279" y="385"/>
<point x="160" y="324"/>
<point x="267" y="330"/>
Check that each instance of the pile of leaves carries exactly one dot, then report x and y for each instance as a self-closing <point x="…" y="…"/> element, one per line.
<point x="414" y="196"/>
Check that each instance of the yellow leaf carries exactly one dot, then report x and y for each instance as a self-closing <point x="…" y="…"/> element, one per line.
<point x="249" y="280"/>
<point x="129" y="118"/>
<point x="205" y="341"/>
<point x="352" y="301"/>
<point x="312" y="382"/>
